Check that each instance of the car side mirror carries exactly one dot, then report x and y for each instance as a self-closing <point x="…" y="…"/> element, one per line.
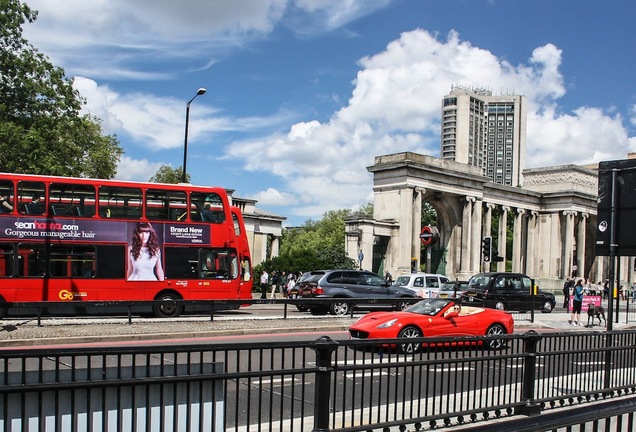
<point x="452" y="314"/>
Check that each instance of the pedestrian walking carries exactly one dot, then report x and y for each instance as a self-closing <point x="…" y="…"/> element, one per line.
<point x="389" y="278"/>
<point x="264" y="283"/>
<point x="566" y="293"/>
<point x="577" y="303"/>
<point x="275" y="284"/>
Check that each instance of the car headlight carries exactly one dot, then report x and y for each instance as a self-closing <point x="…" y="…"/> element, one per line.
<point x="388" y="323"/>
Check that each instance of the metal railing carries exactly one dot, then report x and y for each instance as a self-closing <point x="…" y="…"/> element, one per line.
<point x="321" y="385"/>
<point x="211" y="307"/>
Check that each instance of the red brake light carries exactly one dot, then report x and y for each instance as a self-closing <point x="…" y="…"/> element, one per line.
<point x="319" y="291"/>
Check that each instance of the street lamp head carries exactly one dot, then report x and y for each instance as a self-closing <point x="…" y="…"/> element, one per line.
<point x="200" y="92"/>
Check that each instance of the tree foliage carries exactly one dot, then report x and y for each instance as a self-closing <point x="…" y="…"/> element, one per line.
<point x="167" y="174"/>
<point x="315" y="245"/>
<point x="429" y="215"/>
<point x="41" y="129"/>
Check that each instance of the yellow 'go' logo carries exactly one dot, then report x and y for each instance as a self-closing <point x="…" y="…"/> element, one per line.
<point x="66" y="295"/>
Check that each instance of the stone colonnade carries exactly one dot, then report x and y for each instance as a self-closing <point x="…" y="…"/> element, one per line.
<point x="538" y="240"/>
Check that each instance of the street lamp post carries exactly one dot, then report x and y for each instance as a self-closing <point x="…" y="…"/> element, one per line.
<point x="185" y="141"/>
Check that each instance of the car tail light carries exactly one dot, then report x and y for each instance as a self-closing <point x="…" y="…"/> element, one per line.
<point x="319" y="291"/>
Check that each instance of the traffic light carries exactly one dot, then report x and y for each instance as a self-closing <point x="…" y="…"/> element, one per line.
<point x="487" y="248"/>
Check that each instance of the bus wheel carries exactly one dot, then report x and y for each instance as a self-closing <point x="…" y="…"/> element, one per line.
<point x="3" y="310"/>
<point x="169" y="307"/>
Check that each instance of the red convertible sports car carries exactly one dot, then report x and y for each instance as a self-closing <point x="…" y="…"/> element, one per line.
<point x="436" y="317"/>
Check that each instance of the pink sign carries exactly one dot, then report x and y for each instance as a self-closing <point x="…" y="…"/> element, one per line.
<point x="587" y="300"/>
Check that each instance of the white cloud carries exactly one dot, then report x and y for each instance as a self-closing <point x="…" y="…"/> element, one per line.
<point x="273" y="197"/>
<point x="586" y="136"/>
<point x="137" y="170"/>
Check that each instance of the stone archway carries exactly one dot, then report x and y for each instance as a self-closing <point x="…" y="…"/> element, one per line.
<point x="549" y="217"/>
<point x="438" y="258"/>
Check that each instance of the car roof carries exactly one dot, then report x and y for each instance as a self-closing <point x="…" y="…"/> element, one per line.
<point x="341" y="270"/>
<point x="421" y="274"/>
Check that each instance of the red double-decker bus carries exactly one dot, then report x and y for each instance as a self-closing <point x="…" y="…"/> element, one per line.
<point x="76" y="239"/>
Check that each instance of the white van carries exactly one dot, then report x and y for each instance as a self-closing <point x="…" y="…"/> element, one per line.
<point x="425" y="285"/>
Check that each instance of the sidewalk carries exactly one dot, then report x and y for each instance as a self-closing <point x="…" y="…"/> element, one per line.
<point x="559" y="321"/>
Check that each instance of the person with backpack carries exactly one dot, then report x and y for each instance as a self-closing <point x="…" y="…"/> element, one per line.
<point x="577" y="303"/>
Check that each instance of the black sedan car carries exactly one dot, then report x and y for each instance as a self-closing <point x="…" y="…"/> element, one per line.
<point x="507" y="291"/>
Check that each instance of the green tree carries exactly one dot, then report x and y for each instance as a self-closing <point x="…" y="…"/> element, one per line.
<point x="429" y="215"/>
<point x="315" y="245"/>
<point x="167" y="174"/>
<point x="41" y="129"/>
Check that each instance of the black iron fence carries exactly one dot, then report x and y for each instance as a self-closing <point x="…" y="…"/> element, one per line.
<point x="322" y="385"/>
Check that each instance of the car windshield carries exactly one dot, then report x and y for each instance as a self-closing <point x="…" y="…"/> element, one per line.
<point x="402" y="281"/>
<point x="452" y="286"/>
<point x="447" y="287"/>
<point x="428" y="307"/>
<point x="313" y="277"/>
<point x="479" y="281"/>
<point x="304" y="277"/>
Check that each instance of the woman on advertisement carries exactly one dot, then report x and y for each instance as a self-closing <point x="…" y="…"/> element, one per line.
<point x="144" y="254"/>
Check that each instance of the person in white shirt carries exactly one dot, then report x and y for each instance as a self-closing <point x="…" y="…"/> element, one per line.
<point x="264" y="282"/>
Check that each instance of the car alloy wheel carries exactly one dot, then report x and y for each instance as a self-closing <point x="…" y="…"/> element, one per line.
<point x="547" y="307"/>
<point x="500" y="305"/>
<point x="408" y="333"/>
<point x="495" y="330"/>
<point x="340" y="308"/>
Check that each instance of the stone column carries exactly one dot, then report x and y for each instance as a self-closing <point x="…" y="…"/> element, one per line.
<point x="517" y="241"/>
<point x="275" y="246"/>
<point x="465" y="262"/>
<point x="581" y="245"/>
<point x="488" y="219"/>
<point x="475" y="228"/>
<point x="501" y="242"/>
<point x="568" y="246"/>
<point x="417" y="224"/>
<point x="531" y="249"/>
<point x="406" y="235"/>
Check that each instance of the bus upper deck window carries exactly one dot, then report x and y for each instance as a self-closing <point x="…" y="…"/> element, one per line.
<point x="31" y="198"/>
<point x="6" y="196"/>
<point x="207" y="207"/>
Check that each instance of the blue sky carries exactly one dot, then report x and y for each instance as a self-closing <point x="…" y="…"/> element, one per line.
<point x="303" y="94"/>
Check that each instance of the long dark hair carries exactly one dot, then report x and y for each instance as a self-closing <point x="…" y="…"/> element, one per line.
<point x="153" y="241"/>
